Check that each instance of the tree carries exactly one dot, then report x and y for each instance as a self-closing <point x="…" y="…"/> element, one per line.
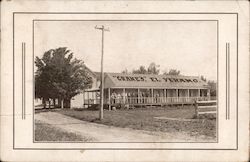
<point x="141" y="70"/>
<point x="153" y="69"/>
<point x="125" y="71"/>
<point x="203" y="78"/>
<point x="172" y="72"/>
<point x="59" y="76"/>
<point x="213" y="88"/>
<point x="43" y="77"/>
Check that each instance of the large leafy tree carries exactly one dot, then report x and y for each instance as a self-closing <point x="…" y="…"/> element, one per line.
<point x="60" y="76"/>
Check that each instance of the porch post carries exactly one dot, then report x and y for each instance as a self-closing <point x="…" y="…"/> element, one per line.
<point x="138" y="95"/>
<point x="188" y="95"/>
<point x="199" y="95"/>
<point x="208" y="94"/>
<point x="88" y="99"/>
<point x="124" y="99"/>
<point x="202" y="93"/>
<point x="109" y="102"/>
<point x="177" y="96"/>
<point x="165" y="96"/>
<point x="152" y="95"/>
<point x="96" y="96"/>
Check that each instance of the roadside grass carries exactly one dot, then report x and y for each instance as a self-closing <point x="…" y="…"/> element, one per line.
<point x="46" y="132"/>
<point x="144" y="119"/>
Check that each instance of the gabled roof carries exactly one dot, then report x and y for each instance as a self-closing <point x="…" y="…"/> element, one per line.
<point x="94" y="74"/>
<point x="98" y="75"/>
<point x="120" y="80"/>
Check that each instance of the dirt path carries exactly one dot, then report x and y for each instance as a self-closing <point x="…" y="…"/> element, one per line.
<point x="103" y="133"/>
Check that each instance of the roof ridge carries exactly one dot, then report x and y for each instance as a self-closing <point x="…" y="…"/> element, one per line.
<point x="152" y="74"/>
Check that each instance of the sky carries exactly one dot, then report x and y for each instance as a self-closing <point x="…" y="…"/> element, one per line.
<point x="188" y="46"/>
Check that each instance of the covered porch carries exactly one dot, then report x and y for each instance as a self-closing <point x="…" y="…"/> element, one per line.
<point x="140" y="89"/>
<point x="145" y="96"/>
<point x="152" y="96"/>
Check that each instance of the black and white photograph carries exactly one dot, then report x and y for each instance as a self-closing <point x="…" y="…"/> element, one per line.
<point x="134" y="81"/>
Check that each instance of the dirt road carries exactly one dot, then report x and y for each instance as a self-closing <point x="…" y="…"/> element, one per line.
<point x="103" y="133"/>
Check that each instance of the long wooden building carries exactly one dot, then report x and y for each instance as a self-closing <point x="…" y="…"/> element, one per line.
<point x="142" y="89"/>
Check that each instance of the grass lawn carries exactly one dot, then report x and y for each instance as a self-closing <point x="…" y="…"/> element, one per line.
<point x="46" y="132"/>
<point x="143" y="119"/>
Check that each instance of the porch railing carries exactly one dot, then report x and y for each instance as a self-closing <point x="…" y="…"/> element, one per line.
<point x="147" y="100"/>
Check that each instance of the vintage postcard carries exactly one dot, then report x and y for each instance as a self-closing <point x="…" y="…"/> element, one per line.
<point x="124" y="81"/>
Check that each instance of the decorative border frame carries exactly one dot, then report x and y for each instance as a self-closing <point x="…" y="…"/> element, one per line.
<point x="23" y="81"/>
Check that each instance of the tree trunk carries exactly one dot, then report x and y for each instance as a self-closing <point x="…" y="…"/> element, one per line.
<point x="59" y="102"/>
<point x="54" y="102"/>
<point x="44" y="103"/>
<point x="67" y="103"/>
<point x="49" y="103"/>
<point x="62" y="103"/>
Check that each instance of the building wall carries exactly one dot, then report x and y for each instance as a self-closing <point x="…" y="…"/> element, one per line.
<point x="38" y="102"/>
<point x="78" y="100"/>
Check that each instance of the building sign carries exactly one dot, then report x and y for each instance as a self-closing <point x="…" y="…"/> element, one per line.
<point x="154" y="79"/>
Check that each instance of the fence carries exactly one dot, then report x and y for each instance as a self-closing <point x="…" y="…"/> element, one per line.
<point x="205" y="107"/>
<point x="155" y="100"/>
<point x="146" y="100"/>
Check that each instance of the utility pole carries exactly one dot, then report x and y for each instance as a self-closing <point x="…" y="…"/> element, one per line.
<point x="102" y="28"/>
